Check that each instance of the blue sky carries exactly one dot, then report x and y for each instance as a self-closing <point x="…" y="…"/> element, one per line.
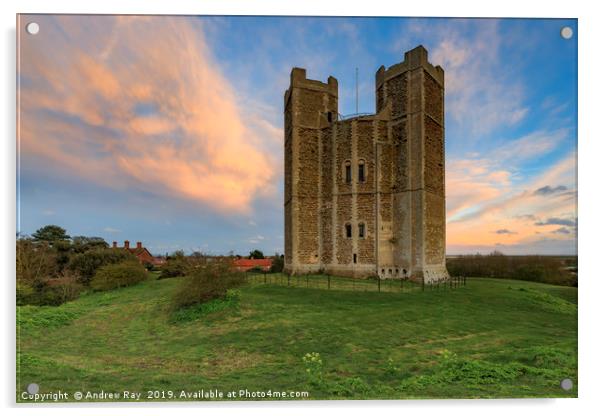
<point x="168" y="130"/>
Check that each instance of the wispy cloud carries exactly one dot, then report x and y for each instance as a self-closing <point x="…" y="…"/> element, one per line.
<point x="84" y="81"/>
<point x="474" y="185"/>
<point x="111" y="230"/>
<point x="481" y="95"/>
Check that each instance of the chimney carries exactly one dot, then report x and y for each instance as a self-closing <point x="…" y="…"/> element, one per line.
<point x="126" y="244"/>
<point x="138" y="244"/>
<point x="114" y="244"/>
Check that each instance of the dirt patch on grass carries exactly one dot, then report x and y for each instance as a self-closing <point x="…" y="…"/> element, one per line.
<point x="229" y="360"/>
<point x="447" y="339"/>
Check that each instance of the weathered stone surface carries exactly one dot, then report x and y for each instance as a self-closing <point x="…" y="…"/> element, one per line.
<point x="400" y="201"/>
<point x="433" y="98"/>
<point x="397" y="90"/>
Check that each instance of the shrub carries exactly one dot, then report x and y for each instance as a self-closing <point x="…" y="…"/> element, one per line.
<point x="25" y="292"/>
<point x="149" y="266"/>
<point x="36" y="262"/>
<point x="174" y="267"/>
<point x="113" y="276"/>
<point x="54" y="292"/>
<point x="86" y="264"/>
<point x="277" y="264"/>
<point x="205" y="283"/>
<point x="191" y="313"/>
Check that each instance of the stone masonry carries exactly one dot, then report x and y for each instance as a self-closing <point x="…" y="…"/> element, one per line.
<point x="365" y="196"/>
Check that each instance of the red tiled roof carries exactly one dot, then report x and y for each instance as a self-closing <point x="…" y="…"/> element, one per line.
<point x="253" y="262"/>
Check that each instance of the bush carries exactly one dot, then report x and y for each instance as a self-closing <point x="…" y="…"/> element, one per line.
<point x="149" y="266"/>
<point x="211" y="281"/>
<point x="51" y="292"/>
<point x="113" y="276"/>
<point x="174" y="267"/>
<point x="194" y="312"/>
<point x="277" y="264"/>
<point x="36" y="262"/>
<point x="180" y="265"/>
<point x="86" y="264"/>
<point x="25" y="292"/>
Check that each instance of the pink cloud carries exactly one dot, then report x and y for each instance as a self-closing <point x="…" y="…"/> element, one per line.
<point x="79" y="111"/>
<point x="480" y="205"/>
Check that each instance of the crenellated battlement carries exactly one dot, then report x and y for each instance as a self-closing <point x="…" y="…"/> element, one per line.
<point x="413" y="59"/>
<point x="299" y="80"/>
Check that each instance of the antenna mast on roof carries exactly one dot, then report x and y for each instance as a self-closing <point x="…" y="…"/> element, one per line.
<point x="356" y="94"/>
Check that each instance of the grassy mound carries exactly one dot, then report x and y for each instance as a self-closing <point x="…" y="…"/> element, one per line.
<point x="492" y="338"/>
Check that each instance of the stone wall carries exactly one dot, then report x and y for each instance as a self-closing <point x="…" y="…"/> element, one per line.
<point x="326" y="193"/>
<point x="344" y="245"/>
<point x="434" y="157"/>
<point x="434" y="249"/>
<point x="433" y="98"/>
<point x="397" y="90"/>
<point x="366" y="204"/>
<point x="365" y="154"/>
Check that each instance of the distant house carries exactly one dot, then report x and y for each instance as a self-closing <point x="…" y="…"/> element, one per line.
<point x="242" y="265"/>
<point x="142" y="253"/>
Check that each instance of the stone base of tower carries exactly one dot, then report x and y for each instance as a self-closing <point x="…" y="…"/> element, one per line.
<point x="344" y="270"/>
<point x="430" y="274"/>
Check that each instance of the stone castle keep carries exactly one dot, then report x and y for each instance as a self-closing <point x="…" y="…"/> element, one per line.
<point x="365" y="196"/>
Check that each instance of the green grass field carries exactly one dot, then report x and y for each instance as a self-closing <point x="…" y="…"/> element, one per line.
<point x="490" y="339"/>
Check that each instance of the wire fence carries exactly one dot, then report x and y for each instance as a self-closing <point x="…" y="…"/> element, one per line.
<point x="321" y="281"/>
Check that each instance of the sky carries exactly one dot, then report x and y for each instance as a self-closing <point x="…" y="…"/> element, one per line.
<point x="169" y="129"/>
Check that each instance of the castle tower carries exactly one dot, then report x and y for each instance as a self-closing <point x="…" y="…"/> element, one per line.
<point x="366" y="195"/>
<point x="308" y="106"/>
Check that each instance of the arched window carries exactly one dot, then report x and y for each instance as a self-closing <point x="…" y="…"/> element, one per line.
<point x="361" y="171"/>
<point x="361" y="230"/>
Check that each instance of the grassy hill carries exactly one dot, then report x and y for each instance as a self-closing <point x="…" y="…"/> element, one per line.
<point x="492" y="338"/>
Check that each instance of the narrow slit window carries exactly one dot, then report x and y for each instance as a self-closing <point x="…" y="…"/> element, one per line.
<point x="361" y="174"/>
<point x="361" y="230"/>
<point x="348" y="172"/>
<point x="354" y="258"/>
<point x="348" y="230"/>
